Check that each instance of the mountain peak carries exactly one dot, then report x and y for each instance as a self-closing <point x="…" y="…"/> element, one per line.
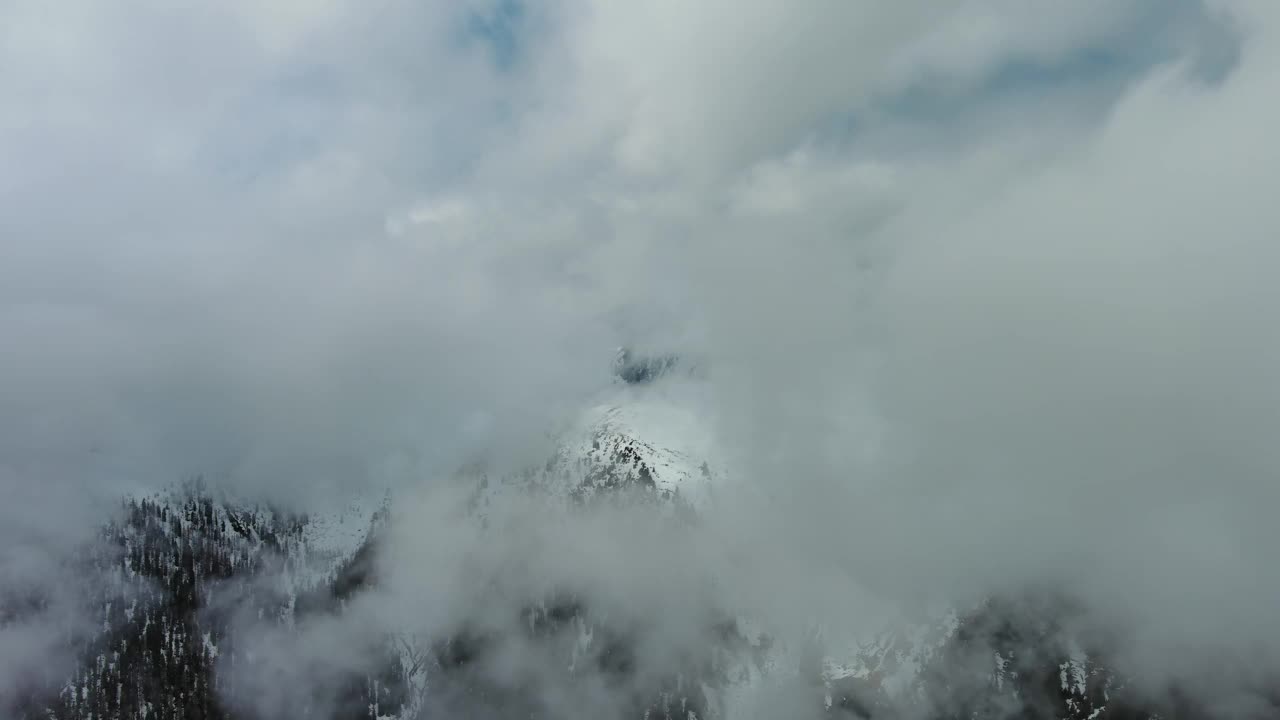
<point x="642" y="368"/>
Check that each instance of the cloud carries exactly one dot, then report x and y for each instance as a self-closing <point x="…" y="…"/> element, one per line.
<point x="985" y="285"/>
<point x="197" y="245"/>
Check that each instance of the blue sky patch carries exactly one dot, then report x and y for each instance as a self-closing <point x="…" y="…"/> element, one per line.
<point x="499" y="28"/>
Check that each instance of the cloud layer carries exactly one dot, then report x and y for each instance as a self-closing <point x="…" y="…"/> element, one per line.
<point x="986" y="286"/>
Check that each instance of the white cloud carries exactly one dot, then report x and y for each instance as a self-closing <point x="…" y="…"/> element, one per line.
<point x="285" y="242"/>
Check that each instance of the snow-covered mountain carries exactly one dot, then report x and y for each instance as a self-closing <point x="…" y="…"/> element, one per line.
<point x="165" y="583"/>
<point x="635" y="443"/>
<point x="173" y="576"/>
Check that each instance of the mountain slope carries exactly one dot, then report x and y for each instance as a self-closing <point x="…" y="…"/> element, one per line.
<point x="169" y="578"/>
<point x="189" y="596"/>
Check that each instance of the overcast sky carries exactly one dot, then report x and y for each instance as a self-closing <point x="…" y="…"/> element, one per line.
<point x="967" y="272"/>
